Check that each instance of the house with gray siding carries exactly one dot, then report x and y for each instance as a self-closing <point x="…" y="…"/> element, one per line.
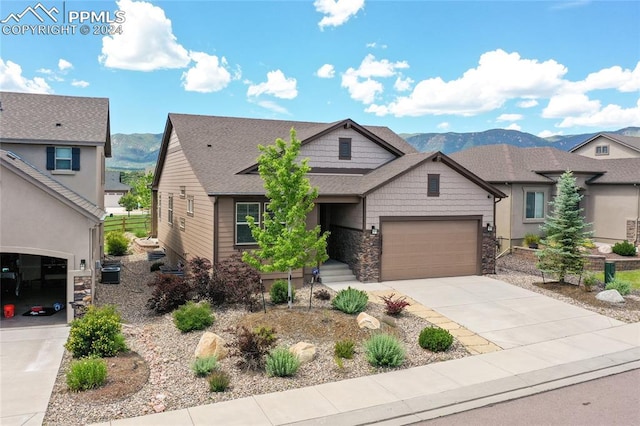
<point x="393" y="213"/>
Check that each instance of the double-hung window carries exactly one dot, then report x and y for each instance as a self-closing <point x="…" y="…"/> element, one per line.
<point x="170" y="210"/>
<point x="190" y="205"/>
<point x="344" y="148"/>
<point x="63" y="158"/>
<point x="534" y="205"/>
<point x="159" y="206"/>
<point x="433" y="185"/>
<point x="243" y="232"/>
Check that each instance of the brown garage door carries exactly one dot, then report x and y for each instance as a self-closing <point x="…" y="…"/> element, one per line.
<point x="429" y="248"/>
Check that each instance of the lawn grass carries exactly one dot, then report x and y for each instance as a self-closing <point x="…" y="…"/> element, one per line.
<point x="632" y="277"/>
<point x="135" y="223"/>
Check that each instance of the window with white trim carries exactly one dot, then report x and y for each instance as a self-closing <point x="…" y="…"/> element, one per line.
<point x="159" y="206"/>
<point x="183" y="191"/>
<point x="190" y="205"/>
<point x="63" y="158"/>
<point x="534" y="205"/>
<point x="243" y="232"/>
<point x="182" y="224"/>
<point x="170" y="210"/>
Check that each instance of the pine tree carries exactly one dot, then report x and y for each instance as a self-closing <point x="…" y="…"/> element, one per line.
<point x="284" y="241"/>
<point x="565" y="231"/>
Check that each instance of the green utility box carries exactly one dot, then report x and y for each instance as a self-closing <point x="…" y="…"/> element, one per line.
<point x="609" y="272"/>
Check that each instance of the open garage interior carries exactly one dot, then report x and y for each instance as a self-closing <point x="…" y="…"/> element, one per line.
<point x="430" y="248"/>
<point x="34" y="284"/>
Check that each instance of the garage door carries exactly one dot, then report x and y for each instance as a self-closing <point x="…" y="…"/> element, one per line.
<point x="429" y="249"/>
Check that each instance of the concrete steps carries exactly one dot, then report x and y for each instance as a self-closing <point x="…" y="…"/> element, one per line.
<point x="333" y="271"/>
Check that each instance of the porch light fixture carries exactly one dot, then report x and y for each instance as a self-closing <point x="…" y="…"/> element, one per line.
<point x="489" y="227"/>
<point x="374" y="231"/>
<point x="83" y="264"/>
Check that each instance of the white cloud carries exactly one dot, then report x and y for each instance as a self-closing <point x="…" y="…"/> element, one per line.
<point x="609" y="116"/>
<point x="64" y="65"/>
<point x="277" y="84"/>
<point x="513" y="126"/>
<point x="609" y="78"/>
<point x="444" y="125"/>
<point x="498" y="77"/>
<point x="570" y="104"/>
<point x="272" y="106"/>
<point x="12" y="80"/>
<point x="359" y="81"/>
<point x="528" y="103"/>
<point x="510" y="117"/>
<point x="326" y="71"/>
<point x="403" y="84"/>
<point x="548" y="134"/>
<point x="208" y="75"/>
<point x="147" y="42"/>
<point x="337" y="12"/>
<point x="80" y="83"/>
<point x="45" y="71"/>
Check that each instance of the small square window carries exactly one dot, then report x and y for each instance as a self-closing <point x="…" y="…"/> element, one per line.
<point x="344" y="149"/>
<point x="183" y="191"/>
<point x="602" y="150"/>
<point x="182" y="223"/>
<point x="433" y="185"/>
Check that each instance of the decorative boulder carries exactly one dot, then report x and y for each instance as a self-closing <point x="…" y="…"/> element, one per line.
<point x="304" y="351"/>
<point x="611" y="296"/>
<point x="211" y="344"/>
<point x="605" y="249"/>
<point x="367" y="321"/>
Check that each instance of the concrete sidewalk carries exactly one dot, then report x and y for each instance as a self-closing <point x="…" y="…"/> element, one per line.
<point x="546" y="344"/>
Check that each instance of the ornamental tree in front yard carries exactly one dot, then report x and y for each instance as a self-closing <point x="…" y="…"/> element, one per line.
<point x="565" y="231"/>
<point x="283" y="239"/>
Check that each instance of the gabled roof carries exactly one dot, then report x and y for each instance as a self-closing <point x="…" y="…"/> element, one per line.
<point x="51" y="186"/>
<point x="112" y="182"/>
<point x="628" y="141"/>
<point x="507" y="163"/>
<point x="54" y="119"/>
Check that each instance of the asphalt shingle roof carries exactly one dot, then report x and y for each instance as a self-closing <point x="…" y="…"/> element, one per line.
<point x="112" y="182"/>
<point x="628" y="141"/>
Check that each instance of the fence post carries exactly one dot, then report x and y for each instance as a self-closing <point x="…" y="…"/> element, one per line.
<point x="124" y="223"/>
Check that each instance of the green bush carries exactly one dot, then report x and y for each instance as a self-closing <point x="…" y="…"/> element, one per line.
<point x="117" y="243"/>
<point x="98" y="333"/>
<point x="531" y="239"/>
<point x="218" y="381"/>
<point x="203" y="366"/>
<point x="435" y="339"/>
<point x="140" y="233"/>
<point x="350" y="301"/>
<point x="589" y="280"/>
<point x="623" y="287"/>
<point x="193" y="316"/>
<point x="384" y="350"/>
<point x="87" y="373"/>
<point x="344" y="348"/>
<point x="282" y="363"/>
<point x="624" y="248"/>
<point x="279" y="292"/>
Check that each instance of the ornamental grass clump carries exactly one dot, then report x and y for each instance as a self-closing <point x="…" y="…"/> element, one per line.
<point x="623" y="287"/>
<point x="86" y="373"/>
<point x="435" y="339"/>
<point x="281" y="362"/>
<point x="344" y="348"/>
<point x="384" y="350"/>
<point x="97" y="334"/>
<point x="205" y="365"/>
<point x="193" y="316"/>
<point x="218" y="381"/>
<point x="350" y="301"/>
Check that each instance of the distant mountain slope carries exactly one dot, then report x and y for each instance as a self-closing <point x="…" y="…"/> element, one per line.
<point x="137" y="151"/>
<point x="452" y="142"/>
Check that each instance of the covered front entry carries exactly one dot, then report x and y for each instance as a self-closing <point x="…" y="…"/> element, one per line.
<point x="430" y="247"/>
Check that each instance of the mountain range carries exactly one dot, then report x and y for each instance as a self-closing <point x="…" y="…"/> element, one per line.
<point x="139" y="151"/>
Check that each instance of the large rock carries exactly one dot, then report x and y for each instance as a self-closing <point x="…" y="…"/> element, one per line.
<point x="304" y="351"/>
<point x="611" y="296"/>
<point x="367" y="321"/>
<point x="211" y="344"/>
<point x="605" y="249"/>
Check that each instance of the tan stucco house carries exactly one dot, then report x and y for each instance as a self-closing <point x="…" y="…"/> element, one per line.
<point x="52" y="156"/>
<point x="611" y="189"/>
<point x="393" y="213"/>
<point x="114" y="189"/>
<point x="605" y="146"/>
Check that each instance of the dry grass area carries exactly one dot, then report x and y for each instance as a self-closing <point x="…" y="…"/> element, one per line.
<point x="580" y="295"/>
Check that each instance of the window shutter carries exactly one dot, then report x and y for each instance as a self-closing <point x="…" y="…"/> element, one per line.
<point x="75" y="159"/>
<point x="51" y="158"/>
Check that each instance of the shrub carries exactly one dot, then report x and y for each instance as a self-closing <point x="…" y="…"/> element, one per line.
<point x="199" y="277"/>
<point x="282" y="363"/>
<point x="155" y="266"/>
<point x="235" y="282"/>
<point x="624" y="248"/>
<point x="203" y="366"/>
<point x="435" y="339"/>
<point x="344" y="348"/>
<point x="170" y="291"/>
<point x="140" y="233"/>
<point x="218" y="381"/>
<point x="531" y="239"/>
<point x="252" y="346"/>
<point x="193" y="316"/>
<point x="589" y="280"/>
<point x="322" y="294"/>
<point x="87" y="373"/>
<point x="623" y="287"/>
<point x="98" y="333"/>
<point x="384" y="350"/>
<point x="394" y="307"/>
<point x="117" y="243"/>
<point x="279" y="292"/>
<point x="350" y="301"/>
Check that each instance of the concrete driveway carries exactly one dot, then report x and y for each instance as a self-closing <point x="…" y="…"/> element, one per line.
<point x="29" y="361"/>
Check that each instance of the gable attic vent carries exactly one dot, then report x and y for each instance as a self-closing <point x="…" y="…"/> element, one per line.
<point x="58" y="124"/>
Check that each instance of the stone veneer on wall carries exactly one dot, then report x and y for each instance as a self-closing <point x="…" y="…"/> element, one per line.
<point x="489" y="247"/>
<point x="633" y="231"/>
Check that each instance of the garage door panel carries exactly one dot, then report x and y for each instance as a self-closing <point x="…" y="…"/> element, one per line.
<point x="429" y="248"/>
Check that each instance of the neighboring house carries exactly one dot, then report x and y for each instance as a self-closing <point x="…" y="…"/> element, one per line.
<point x="609" y="146"/>
<point x="52" y="156"/>
<point x="114" y="189"/>
<point x="611" y="189"/>
<point x="393" y="213"/>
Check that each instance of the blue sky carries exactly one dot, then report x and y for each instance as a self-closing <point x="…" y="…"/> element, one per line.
<point x="543" y="67"/>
